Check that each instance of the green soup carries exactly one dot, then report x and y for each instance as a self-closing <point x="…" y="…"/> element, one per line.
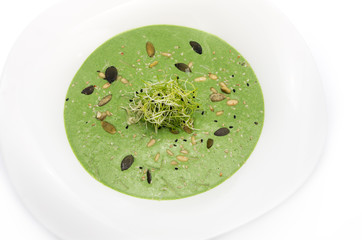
<point x="135" y="159"/>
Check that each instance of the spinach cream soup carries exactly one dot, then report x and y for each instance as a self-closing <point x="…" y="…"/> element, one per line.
<point x="164" y="112"/>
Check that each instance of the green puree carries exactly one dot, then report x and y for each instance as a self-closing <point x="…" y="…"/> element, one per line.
<point x="194" y="170"/>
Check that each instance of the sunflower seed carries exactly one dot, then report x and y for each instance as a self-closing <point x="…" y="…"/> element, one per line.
<point x="184" y="151"/>
<point x="222" y="132"/>
<point x="101" y="75"/>
<point x="127" y="162"/>
<point x="232" y="102"/>
<point x="169" y="152"/>
<point x="123" y="80"/>
<point x="213" y="90"/>
<point x="151" y="143"/>
<point x="217" y="97"/>
<point x="219" y="113"/>
<point x="209" y="143"/>
<point x="150" y="49"/>
<point x="193" y="140"/>
<point x="166" y="54"/>
<point x="101" y="115"/>
<point x="200" y="79"/>
<point x="157" y="157"/>
<point x="108" y="127"/>
<point x="182" y="158"/>
<point x="149" y="177"/>
<point x="211" y="108"/>
<point x="105" y="100"/>
<point x="196" y="47"/>
<point x="183" y="67"/>
<point x="153" y="64"/>
<point x="88" y="90"/>
<point x="106" y="85"/>
<point x="212" y="76"/>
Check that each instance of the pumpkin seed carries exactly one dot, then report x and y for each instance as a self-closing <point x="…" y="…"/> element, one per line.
<point x="101" y="115"/>
<point x="174" y="131"/>
<point x="222" y="132"/>
<point x="149" y="177"/>
<point x="217" y="97"/>
<point x="88" y="90"/>
<point x="183" y="67"/>
<point x="157" y="157"/>
<point x="101" y="75"/>
<point x="151" y="142"/>
<point x="111" y="74"/>
<point x="196" y="47"/>
<point x="127" y="162"/>
<point x="187" y="129"/>
<point x="108" y="127"/>
<point x="105" y="100"/>
<point x="212" y="76"/>
<point x="150" y="49"/>
<point x="209" y="143"/>
<point x="182" y="158"/>
<point x="153" y="64"/>
<point x="200" y="79"/>
<point x="232" y="102"/>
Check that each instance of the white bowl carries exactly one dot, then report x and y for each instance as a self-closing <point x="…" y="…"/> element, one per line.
<point x="73" y="205"/>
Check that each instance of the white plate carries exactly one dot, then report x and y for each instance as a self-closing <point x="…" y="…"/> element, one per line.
<point x="73" y="205"/>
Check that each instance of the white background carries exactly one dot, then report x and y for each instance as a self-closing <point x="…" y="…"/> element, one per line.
<point x="329" y="205"/>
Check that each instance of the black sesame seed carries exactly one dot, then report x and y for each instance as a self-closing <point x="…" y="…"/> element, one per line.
<point x="234" y="116"/>
<point x="98" y="71"/>
<point x="185" y="140"/>
<point x="86" y="122"/>
<point x="202" y="140"/>
<point x="193" y="96"/>
<point x="176" y="140"/>
<point x="175" y="145"/>
<point x="232" y="76"/>
<point x="140" y="167"/>
<point x="202" y="112"/>
<point x="159" y="127"/>
<point x="182" y="99"/>
<point x="131" y="100"/>
<point x="136" y="92"/>
<point x="256" y="123"/>
<point x="176" y="168"/>
<point x="127" y="127"/>
<point x="178" y="77"/>
<point x="215" y="120"/>
<point x="231" y="127"/>
<point x="198" y="106"/>
<point x="141" y="90"/>
<point x="234" y="90"/>
<point x="67" y="99"/>
<point x="247" y="84"/>
<point x="158" y="94"/>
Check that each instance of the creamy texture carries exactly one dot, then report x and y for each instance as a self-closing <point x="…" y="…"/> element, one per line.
<point x="101" y="153"/>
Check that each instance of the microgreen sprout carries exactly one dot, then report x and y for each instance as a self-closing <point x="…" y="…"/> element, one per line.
<point x="169" y="104"/>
